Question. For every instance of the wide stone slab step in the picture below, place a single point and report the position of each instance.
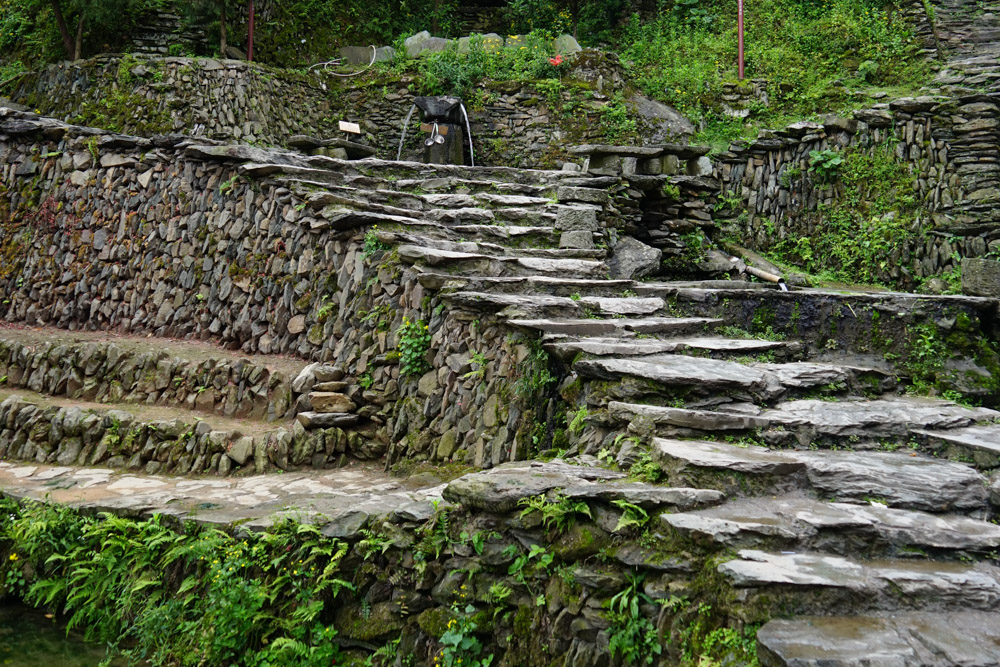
(624, 413)
(566, 348)
(620, 327)
(502, 488)
(896, 479)
(836, 584)
(980, 442)
(882, 417)
(696, 375)
(801, 523)
(485, 264)
(486, 247)
(901, 639)
(543, 285)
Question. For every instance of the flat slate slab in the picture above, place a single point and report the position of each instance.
(342, 501)
(501, 489)
(706, 420)
(707, 375)
(883, 584)
(634, 347)
(624, 327)
(985, 437)
(895, 478)
(910, 639)
(894, 416)
(807, 522)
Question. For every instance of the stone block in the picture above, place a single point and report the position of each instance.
(577, 218)
(981, 277)
(577, 239)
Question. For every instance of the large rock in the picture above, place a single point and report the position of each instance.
(423, 42)
(502, 488)
(660, 123)
(633, 259)
(565, 45)
(981, 277)
(331, 401)
(902, 640)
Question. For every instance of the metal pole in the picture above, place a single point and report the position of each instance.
(250, 36)
(739, 28)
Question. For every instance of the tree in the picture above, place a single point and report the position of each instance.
(102, 17)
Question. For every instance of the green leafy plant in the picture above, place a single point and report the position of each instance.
(413, 340)
(559, 513)
(633, 637)
(825, 164)
(372, 243)
(459, 645)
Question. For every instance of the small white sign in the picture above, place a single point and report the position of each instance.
(353, 128)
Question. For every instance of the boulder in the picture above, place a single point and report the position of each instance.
(981, 277)
(633, 259)
(566, 45)
(659, 122)
(423, 42)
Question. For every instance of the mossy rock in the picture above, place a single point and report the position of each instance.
(434, 621)
(383, 621)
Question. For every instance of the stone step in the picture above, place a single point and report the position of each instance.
(485, 248)
(540, 306)
(621, 327)
(536, 285)
(668, 374)
(501, 489)
(824, 583)
(568, 348)
(341, 502)
(907, 481)
(900, 638)
(400, 201)
(200, 376)
(980, 443)
(465, 262)
(880, 423)
(795, 523)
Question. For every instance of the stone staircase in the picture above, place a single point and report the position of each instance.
(159, 30)
(774, 426)
(847, 501)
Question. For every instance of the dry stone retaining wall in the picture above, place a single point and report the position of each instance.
(515, 124)
(949, 143)
(106, 232)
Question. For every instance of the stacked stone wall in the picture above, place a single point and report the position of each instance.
(512, 125)
(949, 144)
(113, 233)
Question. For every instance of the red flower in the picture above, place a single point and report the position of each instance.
(556, 62)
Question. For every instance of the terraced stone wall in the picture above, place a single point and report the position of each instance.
(949, 143)
(111, 233)
(235, 100)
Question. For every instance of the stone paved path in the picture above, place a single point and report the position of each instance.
(341, 501)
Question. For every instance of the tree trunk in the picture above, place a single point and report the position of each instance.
(63, 29)
(222, 30)
(78, 47)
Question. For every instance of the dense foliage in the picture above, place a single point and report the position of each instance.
(152, 594)
(816, 55)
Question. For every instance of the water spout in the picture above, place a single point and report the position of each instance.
(402, 137)
(783, 286)
(468, 131)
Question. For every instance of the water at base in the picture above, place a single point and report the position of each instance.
(28, 639)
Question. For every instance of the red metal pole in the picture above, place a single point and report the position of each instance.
(739, 27)
(250, 35)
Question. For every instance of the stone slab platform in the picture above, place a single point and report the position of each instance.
(342, 501)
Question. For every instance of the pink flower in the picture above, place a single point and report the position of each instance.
(556, 62)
